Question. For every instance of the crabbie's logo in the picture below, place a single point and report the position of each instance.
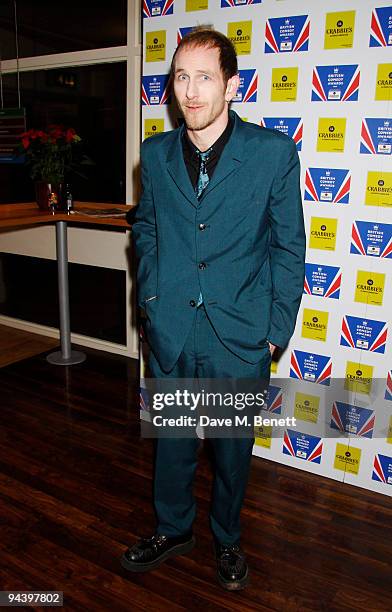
(153, 127)
(306, 407)
(376, 136)
(240, 34)
(327, 185)
(331, 134)
(287, 34)
(284, 84)
(315, 324)
(156, 46)
(359, 377)
(323, 233)
(381, 27)
(347, 458)
(196, 5)
(263, 436)
(335, 83)
(379, 189)
(384, 82)
(339, 30)
(157, 8)
(322, 281)
(369, 287)
(291, 126)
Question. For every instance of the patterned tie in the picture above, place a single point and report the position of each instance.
(202, 182)
(203, 178)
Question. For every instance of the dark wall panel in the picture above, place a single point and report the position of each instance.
(28, 291)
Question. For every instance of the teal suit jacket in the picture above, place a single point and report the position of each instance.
(242, 245)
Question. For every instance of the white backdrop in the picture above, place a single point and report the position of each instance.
(324, 76)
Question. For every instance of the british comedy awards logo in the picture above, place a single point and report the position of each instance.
(311, 367)
(155, 90)
(327, 185)
(287, 34)
(372, 239)
(352, 419)
(157, 8)
(381, 27)
(247, 91)
(335, 83)
(376, 136)
(322, 281)
(291, 126)
(364, 334)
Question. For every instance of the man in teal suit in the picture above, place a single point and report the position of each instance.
(220, 239)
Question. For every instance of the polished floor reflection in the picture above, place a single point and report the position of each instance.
(75, 490)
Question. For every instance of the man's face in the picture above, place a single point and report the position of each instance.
(199, 86)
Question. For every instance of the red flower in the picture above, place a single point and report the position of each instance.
(25, 142)
(70, 135)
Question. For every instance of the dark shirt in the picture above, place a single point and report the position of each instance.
(191, 158)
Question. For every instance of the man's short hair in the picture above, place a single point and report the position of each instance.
(204, 36)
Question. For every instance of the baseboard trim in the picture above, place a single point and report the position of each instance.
(51, 332)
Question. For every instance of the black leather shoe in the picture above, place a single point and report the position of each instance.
(148, 553)
(231, 566)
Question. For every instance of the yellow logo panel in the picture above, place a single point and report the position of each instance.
(339, 30)
(331, 134)
(306, 407)
(379, 189)
(274, 365)
(284, 84)
(369, 287)
(196, 5)
(240, 34)
(315, 324)
(384, 82)
(347, 458)
(323, 232)
(263, 436)
(153, 126)
(389, 435)
(156, 46)
(359, 377)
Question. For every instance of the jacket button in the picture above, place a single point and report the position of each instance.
(192, 303)
(202, 226)
(202, 265)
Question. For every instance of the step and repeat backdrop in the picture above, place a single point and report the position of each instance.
(322, 74)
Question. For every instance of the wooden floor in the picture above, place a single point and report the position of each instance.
(75, 491)
(17, 344)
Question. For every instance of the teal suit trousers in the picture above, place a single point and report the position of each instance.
(204, 356)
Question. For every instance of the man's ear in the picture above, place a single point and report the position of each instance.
(231, 88)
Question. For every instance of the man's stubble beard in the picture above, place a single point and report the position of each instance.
(199, 123)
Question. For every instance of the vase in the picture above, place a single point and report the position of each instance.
(49, 195)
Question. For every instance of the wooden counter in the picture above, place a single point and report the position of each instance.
(27, 214)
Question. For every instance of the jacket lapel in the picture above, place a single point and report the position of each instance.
(231, 159)
(177, 169)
